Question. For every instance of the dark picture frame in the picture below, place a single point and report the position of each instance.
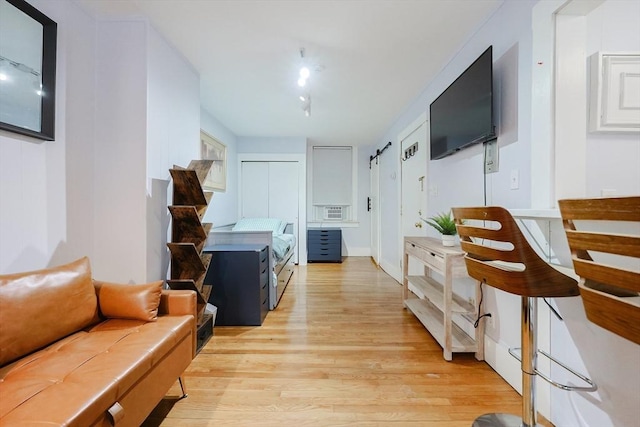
(44, 118)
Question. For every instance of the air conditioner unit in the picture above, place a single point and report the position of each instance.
(333, 212)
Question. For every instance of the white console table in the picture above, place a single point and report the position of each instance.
(436, 309)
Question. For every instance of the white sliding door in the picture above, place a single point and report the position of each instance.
(270, 190)
(255, 190)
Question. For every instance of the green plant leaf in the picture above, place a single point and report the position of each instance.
(443, 223)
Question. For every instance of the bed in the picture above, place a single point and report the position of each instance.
(277, 234)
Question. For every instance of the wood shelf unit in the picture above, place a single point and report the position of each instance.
(188, 237)
(438, 303)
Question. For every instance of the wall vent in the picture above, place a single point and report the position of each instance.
(333, 212)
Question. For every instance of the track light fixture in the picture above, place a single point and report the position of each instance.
(306, 104)
(303, 75)
(304, 71)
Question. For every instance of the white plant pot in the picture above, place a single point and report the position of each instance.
(448, 240)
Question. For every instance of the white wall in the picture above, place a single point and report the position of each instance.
(148, 110)
(223, 209)
(357, 240)
(173, 138)
(613, 159)
(46, 198)
(120, 152)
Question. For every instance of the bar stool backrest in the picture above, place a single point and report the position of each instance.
(498, 254)
(610, 293)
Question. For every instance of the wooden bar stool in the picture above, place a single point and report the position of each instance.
(611, 294)
(498, 254)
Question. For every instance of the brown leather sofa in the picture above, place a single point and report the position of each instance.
(77, 352)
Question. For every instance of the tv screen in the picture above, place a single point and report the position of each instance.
(463, 114)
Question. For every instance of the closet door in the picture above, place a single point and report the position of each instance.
(283, 190)
(255, 190)
(270, 190)
(283, 194)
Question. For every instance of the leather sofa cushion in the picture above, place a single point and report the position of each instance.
(80, 377)
(137, 302)
(40, 307)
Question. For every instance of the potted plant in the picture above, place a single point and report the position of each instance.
(446, 226)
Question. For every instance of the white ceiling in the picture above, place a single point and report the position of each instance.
(369, 58)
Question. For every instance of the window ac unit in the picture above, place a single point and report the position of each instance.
(333, 212)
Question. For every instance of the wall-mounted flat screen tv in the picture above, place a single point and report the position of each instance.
(463, 114)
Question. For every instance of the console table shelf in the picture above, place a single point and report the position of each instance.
(432, 319)
(434, 303)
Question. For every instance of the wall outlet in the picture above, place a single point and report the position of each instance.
(489, 320)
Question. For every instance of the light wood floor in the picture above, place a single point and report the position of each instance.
(340, 350)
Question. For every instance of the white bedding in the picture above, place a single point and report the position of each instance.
(281, 242)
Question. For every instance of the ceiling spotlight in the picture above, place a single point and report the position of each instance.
(304, 98)
(304, 70)
(307, 110)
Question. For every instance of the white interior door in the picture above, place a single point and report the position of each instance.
(414, 184)
(375, 212)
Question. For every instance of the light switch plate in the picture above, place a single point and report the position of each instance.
(515, 179)
(491, 156)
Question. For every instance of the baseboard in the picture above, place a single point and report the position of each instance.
(357, 252)
(392, 271)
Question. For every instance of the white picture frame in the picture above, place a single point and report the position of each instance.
(615, 92)
(212, 149)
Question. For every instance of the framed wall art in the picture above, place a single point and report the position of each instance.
(27, 70)
(615, 92)
(212, 149)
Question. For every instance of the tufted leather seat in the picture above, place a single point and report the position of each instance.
(117, 363)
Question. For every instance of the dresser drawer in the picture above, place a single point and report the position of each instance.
(433, 259)
(334, 252)
(333, 245)
(325, 232)
(319, 240)
(324, 256)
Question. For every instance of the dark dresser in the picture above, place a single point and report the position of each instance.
(324, 245)
(239, 275)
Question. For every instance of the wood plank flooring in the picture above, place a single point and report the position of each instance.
(340, 350)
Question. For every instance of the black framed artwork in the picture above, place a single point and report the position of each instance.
(27, 70)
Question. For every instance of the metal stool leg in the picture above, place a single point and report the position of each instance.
(529, 356)
(529, 353)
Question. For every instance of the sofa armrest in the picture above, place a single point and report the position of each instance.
(176, 302)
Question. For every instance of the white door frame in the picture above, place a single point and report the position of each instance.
(419, 121)
(376, 228)
(302, 191)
